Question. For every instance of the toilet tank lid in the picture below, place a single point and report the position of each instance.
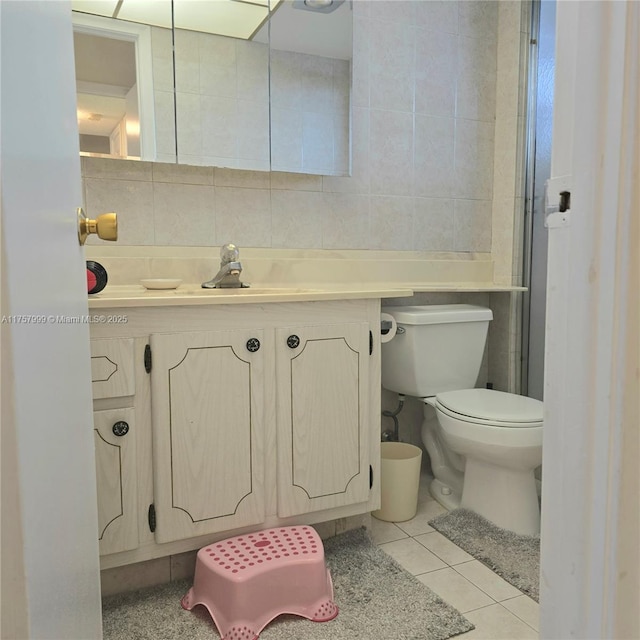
(439, 313)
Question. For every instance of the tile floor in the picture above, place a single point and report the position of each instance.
(498, 610)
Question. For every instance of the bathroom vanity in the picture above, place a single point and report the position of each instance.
(218, 412)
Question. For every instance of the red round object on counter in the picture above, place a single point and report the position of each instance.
(91, 280)
(96, 277)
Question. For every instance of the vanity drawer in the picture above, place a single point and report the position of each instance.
(112, 368)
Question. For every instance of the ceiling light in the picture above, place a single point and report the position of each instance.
(317, 6)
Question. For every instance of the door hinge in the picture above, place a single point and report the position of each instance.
(370, 477)
(147, 358)
(370, 342)
(151, 517)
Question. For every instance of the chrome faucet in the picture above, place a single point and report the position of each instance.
(230, 268)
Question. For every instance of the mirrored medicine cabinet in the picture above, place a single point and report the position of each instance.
(261, 85)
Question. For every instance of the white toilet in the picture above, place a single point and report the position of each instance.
(484, 445)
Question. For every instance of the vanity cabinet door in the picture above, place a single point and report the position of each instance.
(115, 448)
(208, 448)
(112, 371)
(322, 417)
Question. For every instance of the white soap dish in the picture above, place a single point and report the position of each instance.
(161, 283)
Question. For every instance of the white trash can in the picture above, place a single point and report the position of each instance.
(399, 481)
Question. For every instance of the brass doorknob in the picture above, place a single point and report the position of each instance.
(105, 226)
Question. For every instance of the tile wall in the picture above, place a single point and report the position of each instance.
(424, 101)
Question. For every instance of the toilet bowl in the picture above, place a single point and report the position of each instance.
(500, 437)
(484, 445)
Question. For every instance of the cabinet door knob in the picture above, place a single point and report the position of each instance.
(120, 428)
(293, 341)
(253, 344)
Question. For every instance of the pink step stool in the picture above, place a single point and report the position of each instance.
(247, 581)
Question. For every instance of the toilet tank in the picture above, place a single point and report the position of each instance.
(438, 348)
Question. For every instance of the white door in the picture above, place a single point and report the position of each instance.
(50, 567)
(590, 509)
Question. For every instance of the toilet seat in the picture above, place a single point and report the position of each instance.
(491, 408)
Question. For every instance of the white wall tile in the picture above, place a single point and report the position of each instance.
(187, 61)
(182, 174)
(433, 220)
(132, 201)
(253, 130)
(219, 120)
(361, 64)
(316, 84)
(252, 59)
(345, 224)
(184, 214)
(286, 139)
(472, 225)
(117, 170)
(476, 79)
(392, 88)
(217, 66)
(165, 116)
(394, 11)
(436, 65)
(391, 223)
(392, 43)
(296, 218)
(391, 152)
(244, 179)
(295, 181)
(243, 216)
(317, 142)
(438, 15)
(478, 19)
(473, 159)
(433, 157)
(188, 125)
(162, 59)
(286, 80)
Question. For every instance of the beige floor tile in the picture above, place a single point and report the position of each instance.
(492, 584)
(445, 549)
(526, 609)
(496, 623)
(456, 590)
(382, 531)
(420, 524)
(413, 556)
(430, 507)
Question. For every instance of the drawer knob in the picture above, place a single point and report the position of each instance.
(120, 428)
(293, 341)
(253, 344)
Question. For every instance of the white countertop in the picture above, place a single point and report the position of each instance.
(116, 296)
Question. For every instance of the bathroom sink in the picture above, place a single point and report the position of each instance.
(250, 291)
